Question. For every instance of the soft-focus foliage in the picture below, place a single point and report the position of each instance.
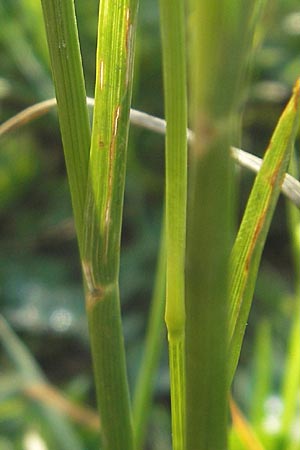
(41, 286)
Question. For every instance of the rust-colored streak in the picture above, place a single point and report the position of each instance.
(296, 94)
(116, 120)
(101, 74)
(256, 234)
(101, 143)
(112, 149)
(274, 176)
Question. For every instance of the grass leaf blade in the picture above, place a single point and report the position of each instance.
(248, 246)
(66, 64)
(104, 205)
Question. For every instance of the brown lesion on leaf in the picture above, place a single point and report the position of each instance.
(274, 176)
(112, 149)
(296, 94)
(206, 133)
(254, 239)
(101, 74)
(116, 120)
(94, 291)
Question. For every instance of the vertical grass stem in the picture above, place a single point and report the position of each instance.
(103, 217)
(174, 71)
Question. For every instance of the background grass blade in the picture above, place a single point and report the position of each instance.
(263, 376)
(291, 380)
(216, 77)
(153, 348)
(172, 19)
(18, 41)
(244, 429)
(103, 217)
(63, 43)
(62, 433)
(255, 224)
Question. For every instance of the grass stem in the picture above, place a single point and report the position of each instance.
(103, 217)
(174, 70)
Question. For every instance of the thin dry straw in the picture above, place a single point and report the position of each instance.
(290, 187)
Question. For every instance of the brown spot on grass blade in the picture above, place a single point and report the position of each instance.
(101, 74)
(206, 133)
(115, 120)
(247, 250)
(274, 176)
(296, 94)
(257, 231)
(95, 292)
(112, 149)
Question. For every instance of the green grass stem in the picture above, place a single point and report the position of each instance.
(97, 188)
(219, 45)
(174, 71)
(103, 217)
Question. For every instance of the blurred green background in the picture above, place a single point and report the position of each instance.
(40, 277)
